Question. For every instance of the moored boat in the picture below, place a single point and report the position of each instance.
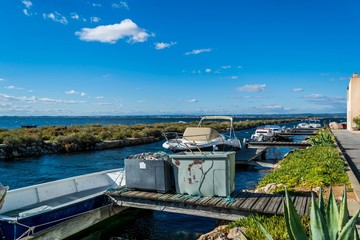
(203, 138)
(30, 210)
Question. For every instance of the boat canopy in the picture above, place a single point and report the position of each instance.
(216, 117)
(200, 134)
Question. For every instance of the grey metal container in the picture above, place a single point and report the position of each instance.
(152, 175)
(204, 173)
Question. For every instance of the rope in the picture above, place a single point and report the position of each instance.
(204, 174)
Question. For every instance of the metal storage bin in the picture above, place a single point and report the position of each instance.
(204, 173)
(152, 175)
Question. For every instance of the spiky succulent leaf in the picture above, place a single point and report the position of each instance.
(356, 234)
(295, 226)
(319, 229)
(332, 216)
(287, 222)
(344, 213)
(263, 229)
(347, 231)
(321, 202)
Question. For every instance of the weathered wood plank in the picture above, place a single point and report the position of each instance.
(240, 198)
(261, 203)
(130, 193)
(249, 202)
(214, 201)
(273, 205)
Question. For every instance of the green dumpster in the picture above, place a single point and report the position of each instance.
(204, 173)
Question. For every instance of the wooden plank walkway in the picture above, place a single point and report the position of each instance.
(240, 204)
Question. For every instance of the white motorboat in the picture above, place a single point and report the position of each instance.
(34, 209)
(262, 134)
(203, 138)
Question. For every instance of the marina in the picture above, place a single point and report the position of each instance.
(229, 206)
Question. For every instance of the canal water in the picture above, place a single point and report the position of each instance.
(132, 224)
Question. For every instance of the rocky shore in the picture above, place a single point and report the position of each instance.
(8, 152)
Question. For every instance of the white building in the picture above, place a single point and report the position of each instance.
(353, 100)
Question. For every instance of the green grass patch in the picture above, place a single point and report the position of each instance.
(274, 224)
(318, 166)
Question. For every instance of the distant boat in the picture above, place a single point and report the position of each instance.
(36, 208)
(203, 138)
(266, 133)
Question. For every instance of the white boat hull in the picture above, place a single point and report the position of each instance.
(35, 208)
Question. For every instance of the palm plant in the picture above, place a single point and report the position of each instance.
(326, 223)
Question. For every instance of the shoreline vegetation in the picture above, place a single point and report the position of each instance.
(301, 172)
(36, 141)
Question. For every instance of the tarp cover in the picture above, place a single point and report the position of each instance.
(200, 134)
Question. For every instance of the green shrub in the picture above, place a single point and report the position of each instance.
(356, 120)
(318, 166)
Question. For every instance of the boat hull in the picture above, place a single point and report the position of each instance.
(14, 228)
(218, 147)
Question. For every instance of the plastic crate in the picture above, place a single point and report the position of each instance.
(152, 175)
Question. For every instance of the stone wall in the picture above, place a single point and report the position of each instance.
(37, 149)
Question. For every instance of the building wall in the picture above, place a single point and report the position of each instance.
(353, 100)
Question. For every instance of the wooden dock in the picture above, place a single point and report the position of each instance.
(241, 204)
(277, 144)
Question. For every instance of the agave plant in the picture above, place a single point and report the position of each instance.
(326, 223)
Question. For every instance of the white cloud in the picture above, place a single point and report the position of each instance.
(26, 12)
(225, 67)
(252, 88)
(193, 101)
(34, 99)
(103, 104)
(96, 4)
(198, 51)
(320, 99)
(239, 67)
(207, 70)
(72, 92)
(274, 107)
(56, 17)
(121, 4)
(99, 97)
(13, 88)
(27, 3)
(234, 77)
(162, 45)
(112, 33)
(1, 79)
(95, 19)
(297, 90)
(343, 78)
(74, 16)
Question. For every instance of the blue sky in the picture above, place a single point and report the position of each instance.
(138, 57)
